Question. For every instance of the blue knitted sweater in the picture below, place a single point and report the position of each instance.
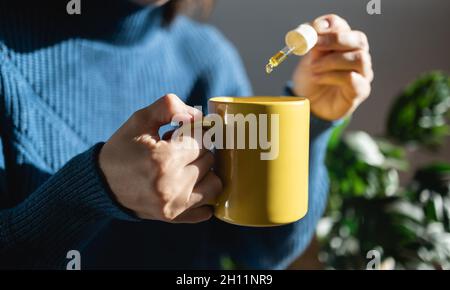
(66, 84)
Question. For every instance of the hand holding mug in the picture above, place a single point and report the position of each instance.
(158, 179)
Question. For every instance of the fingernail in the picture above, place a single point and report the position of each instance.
(322, 25)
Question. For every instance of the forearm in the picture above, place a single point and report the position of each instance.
(53, 219)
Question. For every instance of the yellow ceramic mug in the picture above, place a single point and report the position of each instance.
(263, 187)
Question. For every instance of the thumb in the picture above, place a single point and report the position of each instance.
(165, 110)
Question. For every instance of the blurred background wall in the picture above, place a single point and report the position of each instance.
(407, 39)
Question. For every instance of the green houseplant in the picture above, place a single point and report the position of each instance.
(409, 226)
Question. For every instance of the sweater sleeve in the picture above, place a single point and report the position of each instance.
(52, 220)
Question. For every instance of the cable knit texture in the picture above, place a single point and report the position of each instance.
(66, 84)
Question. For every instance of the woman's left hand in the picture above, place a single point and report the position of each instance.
(336, 74)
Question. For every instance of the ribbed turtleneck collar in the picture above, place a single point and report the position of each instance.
(25, 23)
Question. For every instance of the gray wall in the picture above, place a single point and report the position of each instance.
(410, 37)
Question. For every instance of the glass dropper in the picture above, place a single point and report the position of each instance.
(298, 41)
(278, 58)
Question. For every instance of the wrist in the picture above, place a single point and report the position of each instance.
(103, 171)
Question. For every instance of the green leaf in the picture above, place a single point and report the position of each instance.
(420, 113)
(336, 135)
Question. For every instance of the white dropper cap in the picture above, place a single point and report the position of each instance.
(301, 39)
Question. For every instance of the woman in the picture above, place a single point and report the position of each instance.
(69, 82)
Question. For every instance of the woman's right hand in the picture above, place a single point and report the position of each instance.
(166, 180)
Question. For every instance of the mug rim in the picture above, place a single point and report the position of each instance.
(260, 100)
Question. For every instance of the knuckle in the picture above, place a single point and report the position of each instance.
(333, 17)
(154, 158)
(359, 58)
(363, 40)
(348, 77)
(161, 164)
(195, 199)
(138, 117)
(355, 77)
(365, 58)
(164, 168)
(163, 192)
(369, 59)
(365, 62)
(352, 78)
(147, 144)
(170, 102)
(337, 21)
(371, 75)
(368, 89)
(167, 214)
